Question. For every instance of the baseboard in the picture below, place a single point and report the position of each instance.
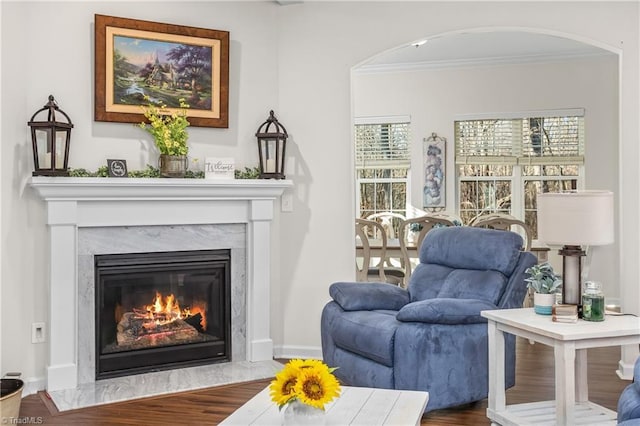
(33, 384)
(290, 352)
(625, 370)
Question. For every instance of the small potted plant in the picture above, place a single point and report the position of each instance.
(545, 284)
(169, 131)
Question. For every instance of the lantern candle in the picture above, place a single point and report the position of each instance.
(50, 141)
(272, 139)
(46, 162)
(271, 165)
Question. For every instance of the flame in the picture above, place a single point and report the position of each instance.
(164, 310)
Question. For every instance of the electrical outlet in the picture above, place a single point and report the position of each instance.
(38, 333)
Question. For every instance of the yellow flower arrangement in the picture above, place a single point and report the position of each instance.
(169, 129)
(309, 381)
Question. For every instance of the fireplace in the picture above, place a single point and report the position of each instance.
(87, 217)
(161, 310)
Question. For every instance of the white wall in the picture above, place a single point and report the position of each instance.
(433, 98)
(296, 59)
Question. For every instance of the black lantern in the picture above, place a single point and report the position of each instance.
(272, 141)
(50, 141)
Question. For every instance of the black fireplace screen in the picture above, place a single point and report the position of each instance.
(161, 310)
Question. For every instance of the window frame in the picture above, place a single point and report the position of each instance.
(382, 121)
(518, 161)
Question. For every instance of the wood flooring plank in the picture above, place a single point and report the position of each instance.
(534, 382)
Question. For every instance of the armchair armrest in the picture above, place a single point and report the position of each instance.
(352, 296)
(445, 311)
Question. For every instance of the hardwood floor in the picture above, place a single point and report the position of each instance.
(534, 381)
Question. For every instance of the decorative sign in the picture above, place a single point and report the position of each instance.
(117, 168)
(219, 168)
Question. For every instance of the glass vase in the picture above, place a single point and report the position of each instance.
(300, 414)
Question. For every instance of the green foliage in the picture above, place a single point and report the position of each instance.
(169, 130)
(103, 171)
(79, 173)
(149, 172)
(248, 173)
(153, 172)
(542, 278)
(190, 174)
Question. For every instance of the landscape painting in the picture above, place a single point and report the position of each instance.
(140, 62)
(161, 71)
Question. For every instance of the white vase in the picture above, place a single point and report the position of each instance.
(299, 414)
(542, 303)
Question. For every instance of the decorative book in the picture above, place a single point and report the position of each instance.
(564, 313)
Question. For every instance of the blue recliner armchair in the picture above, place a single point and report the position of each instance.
(629, 402)
(430, 337)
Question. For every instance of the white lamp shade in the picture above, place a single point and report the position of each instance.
(579, 218)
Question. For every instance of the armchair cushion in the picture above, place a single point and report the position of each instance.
(467, 284)
(368, 296)
(463, 250)
(445, 311)
(370, 334)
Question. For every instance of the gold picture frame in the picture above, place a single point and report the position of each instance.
(138, 62)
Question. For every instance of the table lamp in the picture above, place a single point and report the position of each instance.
(574, 219)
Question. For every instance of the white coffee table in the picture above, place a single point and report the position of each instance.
(356, 406)
(570, 343)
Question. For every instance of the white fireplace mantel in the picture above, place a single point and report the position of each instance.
(73, 203)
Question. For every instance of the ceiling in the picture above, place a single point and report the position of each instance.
(476, 48)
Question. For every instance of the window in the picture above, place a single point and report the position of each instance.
(502, 164)
(382, 164)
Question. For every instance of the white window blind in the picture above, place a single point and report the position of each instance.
(535, 140)
(382, 145)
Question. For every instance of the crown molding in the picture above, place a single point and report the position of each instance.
(476, 62)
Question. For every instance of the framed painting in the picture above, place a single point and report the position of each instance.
(141, 62)
(434, 166)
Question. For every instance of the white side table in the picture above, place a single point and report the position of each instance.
(570, 343)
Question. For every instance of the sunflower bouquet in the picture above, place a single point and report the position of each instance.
(310, 382)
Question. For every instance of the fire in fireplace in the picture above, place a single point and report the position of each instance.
(162, 310)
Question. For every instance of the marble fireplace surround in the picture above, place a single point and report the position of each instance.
(87, 216)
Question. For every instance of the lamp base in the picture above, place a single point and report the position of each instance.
(571, 276)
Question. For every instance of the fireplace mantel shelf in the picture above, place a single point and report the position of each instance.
(71, 188)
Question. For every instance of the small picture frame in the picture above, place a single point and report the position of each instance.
(117, 168)
(219, 168)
